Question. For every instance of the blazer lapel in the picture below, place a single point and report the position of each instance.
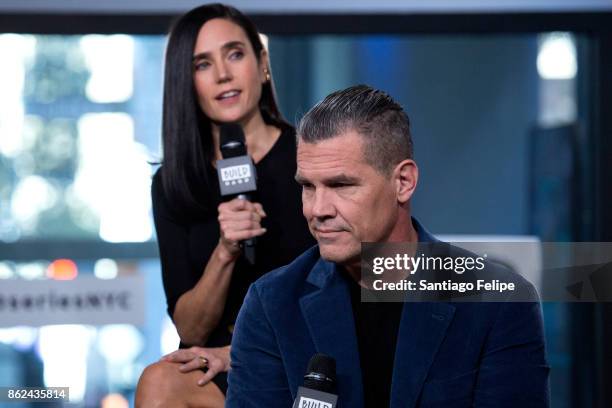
(329, 317)
(422, 329)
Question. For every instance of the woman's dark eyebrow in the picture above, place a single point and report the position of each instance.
(227, 46)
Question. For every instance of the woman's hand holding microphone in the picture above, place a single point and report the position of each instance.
(238, 220)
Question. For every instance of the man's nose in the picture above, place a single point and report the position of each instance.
(323, 205)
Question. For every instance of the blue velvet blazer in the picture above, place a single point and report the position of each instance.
(447, 355)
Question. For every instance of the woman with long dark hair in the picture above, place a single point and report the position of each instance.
(216, 71)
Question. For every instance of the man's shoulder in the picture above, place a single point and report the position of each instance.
(284, 281)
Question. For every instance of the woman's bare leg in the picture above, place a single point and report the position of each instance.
(163, 385)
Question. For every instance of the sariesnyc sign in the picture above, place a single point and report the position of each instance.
(85, 300)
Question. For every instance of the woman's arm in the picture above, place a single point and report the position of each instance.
(198, 310)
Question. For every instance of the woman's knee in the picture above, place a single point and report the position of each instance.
(159, 385)
(163, 385)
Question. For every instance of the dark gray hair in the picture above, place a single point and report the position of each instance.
(373, 114)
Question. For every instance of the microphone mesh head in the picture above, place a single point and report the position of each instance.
(231, 140)
(322, 363)
(321, 373)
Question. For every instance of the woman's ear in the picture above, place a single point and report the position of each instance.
(264, 66)
(405, 176)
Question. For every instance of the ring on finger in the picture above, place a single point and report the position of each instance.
(203, 361)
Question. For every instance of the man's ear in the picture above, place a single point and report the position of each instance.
(405, 176)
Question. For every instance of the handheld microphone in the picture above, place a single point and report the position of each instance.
(319, 386)
(236, 172)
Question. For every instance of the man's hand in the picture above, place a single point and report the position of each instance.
(210, 361)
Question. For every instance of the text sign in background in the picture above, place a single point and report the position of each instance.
(85, 300)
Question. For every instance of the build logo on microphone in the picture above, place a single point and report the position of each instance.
(312, 403)
(236, 174)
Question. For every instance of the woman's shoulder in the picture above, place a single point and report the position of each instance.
(167, 206)
(288, 133)
(286, 140)
(288, 130)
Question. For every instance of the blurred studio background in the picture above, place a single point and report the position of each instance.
(511, 108)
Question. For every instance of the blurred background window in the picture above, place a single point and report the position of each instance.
(80, 120)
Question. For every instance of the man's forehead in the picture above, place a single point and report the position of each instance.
(334, 158)
(312, 157)
(347, 144)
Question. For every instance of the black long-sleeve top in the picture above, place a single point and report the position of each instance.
(186, 241)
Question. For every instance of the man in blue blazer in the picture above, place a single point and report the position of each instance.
(355, 164)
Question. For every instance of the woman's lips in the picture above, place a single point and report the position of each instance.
(228, 97)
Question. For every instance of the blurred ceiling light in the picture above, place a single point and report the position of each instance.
(6, 271)
(31, 270)
(32, 195)
(62, 269)
(106, 269)
(15, 50)
(110, 59)
(119, 193)
(557, 56)
(114, 401)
